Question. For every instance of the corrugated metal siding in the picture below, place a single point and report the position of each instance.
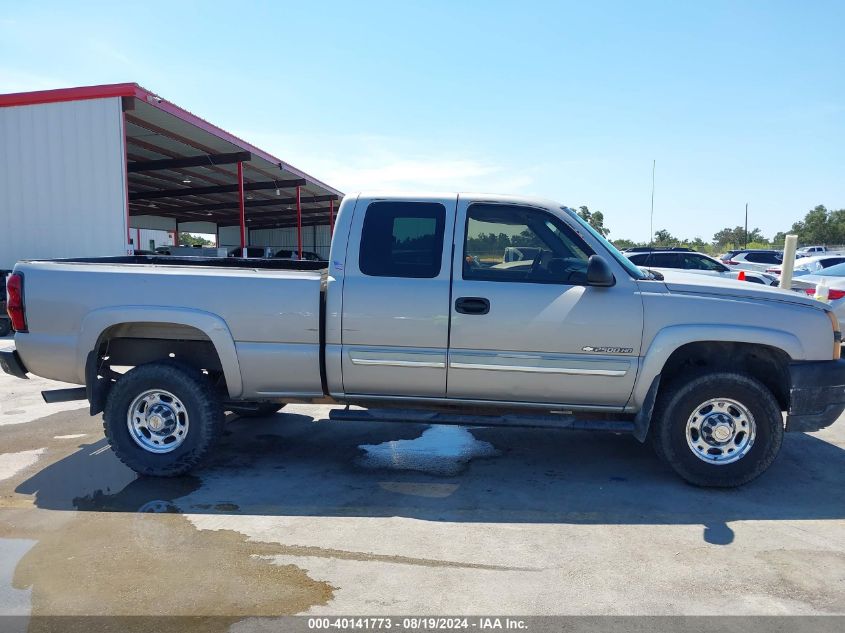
(62, 180)
(314, 238)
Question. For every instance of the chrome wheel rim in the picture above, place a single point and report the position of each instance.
(157, 421)
(720, 431)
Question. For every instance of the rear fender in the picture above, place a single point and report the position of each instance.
(215, 328)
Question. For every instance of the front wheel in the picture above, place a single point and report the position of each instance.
(162, 419)
(719, 429)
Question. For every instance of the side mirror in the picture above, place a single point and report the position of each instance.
(598, 272)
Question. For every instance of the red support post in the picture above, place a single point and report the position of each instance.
(242, 207)
(331, 218)
(299, 220)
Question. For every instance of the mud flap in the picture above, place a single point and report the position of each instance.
(642, 421)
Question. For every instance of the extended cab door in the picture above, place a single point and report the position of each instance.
(395, 322)
(526, 327)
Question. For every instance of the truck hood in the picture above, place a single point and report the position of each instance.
(679, 281)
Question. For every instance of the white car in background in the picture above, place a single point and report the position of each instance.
(834, 279)
(810, 251)
(759, 260)
(692, 262)
(810, 265)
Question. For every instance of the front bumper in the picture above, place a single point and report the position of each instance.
(816, 394)
(11, 363)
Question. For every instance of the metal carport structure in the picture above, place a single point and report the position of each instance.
(179, 172)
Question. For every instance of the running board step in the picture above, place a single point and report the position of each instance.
(64, 395)
(551, 421)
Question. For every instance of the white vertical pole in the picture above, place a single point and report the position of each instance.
(789, 248)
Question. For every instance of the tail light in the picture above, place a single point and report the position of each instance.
(773, 271)
(731, 262)
(14, 301)
(832, 294)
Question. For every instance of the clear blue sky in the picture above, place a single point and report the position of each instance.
(737, 101)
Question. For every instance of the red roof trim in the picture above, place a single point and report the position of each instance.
(68, 94)
(134, 90)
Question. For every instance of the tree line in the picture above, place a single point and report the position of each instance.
(819, 226)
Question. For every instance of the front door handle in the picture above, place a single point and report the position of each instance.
(472, 305)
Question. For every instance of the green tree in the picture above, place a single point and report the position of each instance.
(662, 237)
(595, 219)
(737, 237)
(186, 239)
(623, 243)
(697, 244)
(820, 226)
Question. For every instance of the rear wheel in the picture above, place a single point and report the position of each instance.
(162, 419)
(719, 429)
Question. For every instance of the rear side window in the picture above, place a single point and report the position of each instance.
(827, 263)
(661, 260)
(402, 239)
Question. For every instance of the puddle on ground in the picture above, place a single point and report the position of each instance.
(440, 450)
(133, 553)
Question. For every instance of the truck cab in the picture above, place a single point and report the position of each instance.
(431, 289)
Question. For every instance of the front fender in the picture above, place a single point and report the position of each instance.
(215, 328)
(673, 337)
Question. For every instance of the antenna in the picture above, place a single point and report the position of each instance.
(651, 218)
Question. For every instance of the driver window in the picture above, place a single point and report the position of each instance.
(506, 243)
(696, 262)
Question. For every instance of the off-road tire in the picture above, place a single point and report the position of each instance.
(264, 409)
(202, 403)
(679, 399)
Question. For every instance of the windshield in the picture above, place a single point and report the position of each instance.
(834, 271)
(626, 263)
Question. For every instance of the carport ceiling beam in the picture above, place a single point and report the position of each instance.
(202, 191)
(251, 204)
(191, 161)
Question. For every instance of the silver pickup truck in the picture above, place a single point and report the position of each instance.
(421, 316)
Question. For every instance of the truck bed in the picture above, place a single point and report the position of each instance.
(265, 312)
(217, 262)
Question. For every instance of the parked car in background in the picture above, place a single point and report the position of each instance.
(809, 251)
(252, 252)
(307, 256)
(5, 322)
(690, 261)
(834, 278)
(809, 265)
(756, 259)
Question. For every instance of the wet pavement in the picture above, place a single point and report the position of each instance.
(296, 514)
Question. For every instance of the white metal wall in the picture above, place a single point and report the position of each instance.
(141, 238)
(62, 180)
(314, 238)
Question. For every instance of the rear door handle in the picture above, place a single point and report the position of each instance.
(472, 305)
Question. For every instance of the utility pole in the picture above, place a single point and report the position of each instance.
(651, 218)
(746, 226)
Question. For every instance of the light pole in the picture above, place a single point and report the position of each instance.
(746, 225)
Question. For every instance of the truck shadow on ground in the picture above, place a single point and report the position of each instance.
(293, 465)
